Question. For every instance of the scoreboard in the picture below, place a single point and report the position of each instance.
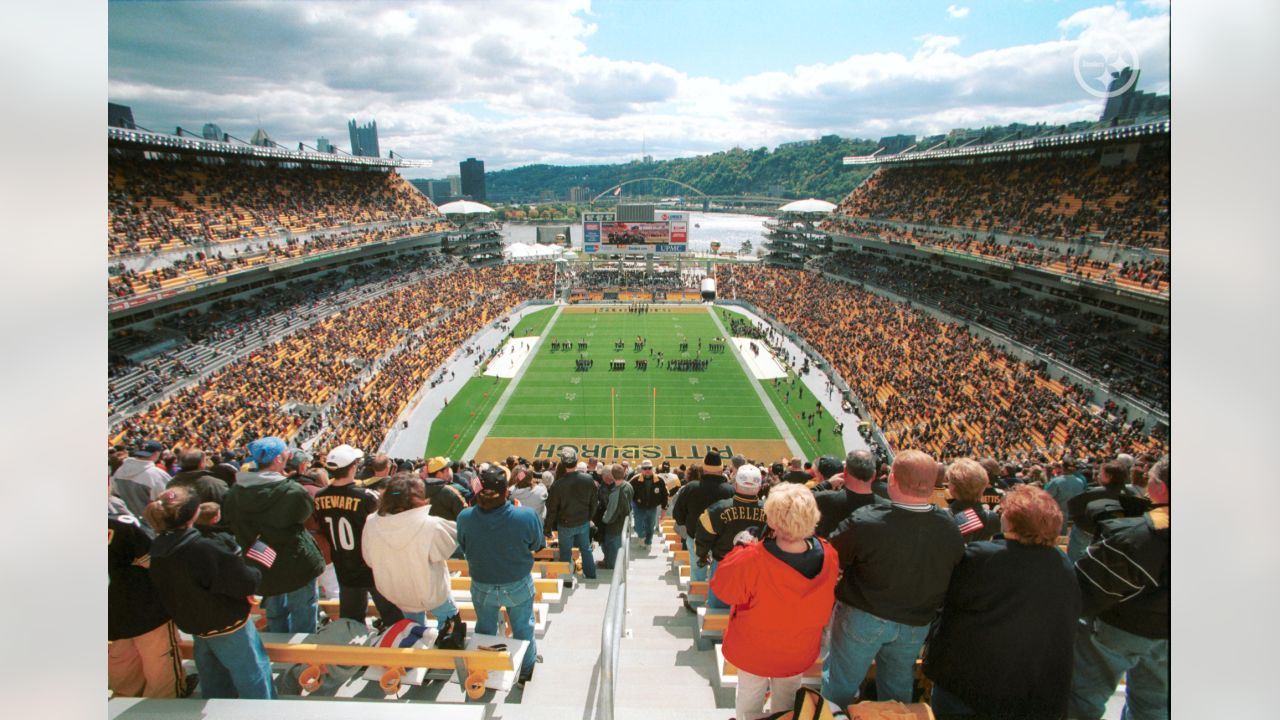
(668, 232)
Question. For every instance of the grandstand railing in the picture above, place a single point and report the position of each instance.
(162, 141)
(615, 622)
(1050, 142)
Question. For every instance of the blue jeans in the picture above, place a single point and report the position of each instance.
(611, 545)
(646, 522)
(517, 598)
(293, 612)
(441, 612)
(1102, 654)
(696, 574)
(857, 638)
(712, 600)
(579, 536)
(234, 665)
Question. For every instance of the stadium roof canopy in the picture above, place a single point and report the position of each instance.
(465, 207)
(812, 205)
(160, 142)
(1048, 142)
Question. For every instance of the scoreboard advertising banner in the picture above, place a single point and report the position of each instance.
(603, 233)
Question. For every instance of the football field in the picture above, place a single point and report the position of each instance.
(659, 413)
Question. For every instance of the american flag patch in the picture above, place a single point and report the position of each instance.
(969, 521)
(261, 553)
(403, 634)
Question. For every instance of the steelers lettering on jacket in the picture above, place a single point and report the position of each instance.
(750, 513)
(337, 502)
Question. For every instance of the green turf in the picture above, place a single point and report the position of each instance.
(553, 400)
(533, 323)
(456, 425)
(805, 436)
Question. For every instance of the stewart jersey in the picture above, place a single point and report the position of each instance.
(341, 511)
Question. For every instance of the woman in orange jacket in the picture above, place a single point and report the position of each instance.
(781, 590)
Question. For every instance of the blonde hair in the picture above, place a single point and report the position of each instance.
(968, 479)
(791, 511)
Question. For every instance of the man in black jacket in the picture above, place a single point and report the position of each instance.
(1124, 585)
(836, 505)
(897, 560)
(571, 504)
(650, 494)
(720, 525)
(1113, 481)
(691, 503)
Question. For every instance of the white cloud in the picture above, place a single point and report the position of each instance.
(514, 82)
(956, 11)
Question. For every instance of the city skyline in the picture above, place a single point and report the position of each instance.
(571, 82)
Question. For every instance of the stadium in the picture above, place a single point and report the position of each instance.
(311, 321)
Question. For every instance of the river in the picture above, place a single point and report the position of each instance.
(729, 228)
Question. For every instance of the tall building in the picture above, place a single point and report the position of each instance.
(364, 138)
(211, 132)
(323, 145)
(441, 192)
(1132, 104)
(455, 185)
(472, 178)
(120, 116)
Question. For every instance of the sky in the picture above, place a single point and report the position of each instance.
(572, 82)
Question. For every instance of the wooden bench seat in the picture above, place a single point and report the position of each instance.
(466, 610)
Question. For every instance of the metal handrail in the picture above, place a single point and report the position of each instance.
(615, 620)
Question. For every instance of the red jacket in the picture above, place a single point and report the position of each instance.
(777, 617)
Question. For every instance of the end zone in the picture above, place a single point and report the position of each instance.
(682, 451)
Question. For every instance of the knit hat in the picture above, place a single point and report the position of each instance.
(829, 466)
(712, 459)
(747, 480)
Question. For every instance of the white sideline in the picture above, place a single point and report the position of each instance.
(511, 357)
(763, 366)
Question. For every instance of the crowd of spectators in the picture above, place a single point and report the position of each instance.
(1064, 197)
(1117, 353)
(194, 266)
(229, 326)
(165, 204)
(1146, 274)
(933, 385)
(248, 398)
(601, 279)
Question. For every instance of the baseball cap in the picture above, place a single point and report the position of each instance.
(491, 478)
(747, 479)
(342, 456)
(148, 447)
(265, 450)
(646, 465)
(436, 464)
(829, 466)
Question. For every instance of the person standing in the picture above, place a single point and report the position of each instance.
(707, 485)
(1124, 585)
(1002, 592)
(341, 510)
(852, 491)
(1064, 487)
(781, 590)
(142, 658)
(205, 585)
(138, 481)
(408, 550)
(967, 480)
(650, 493)
(897, 560)
(1113, 481)
(571, 504)
(265, 506)
(498, 540)
(616, 496)
(722, 524)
